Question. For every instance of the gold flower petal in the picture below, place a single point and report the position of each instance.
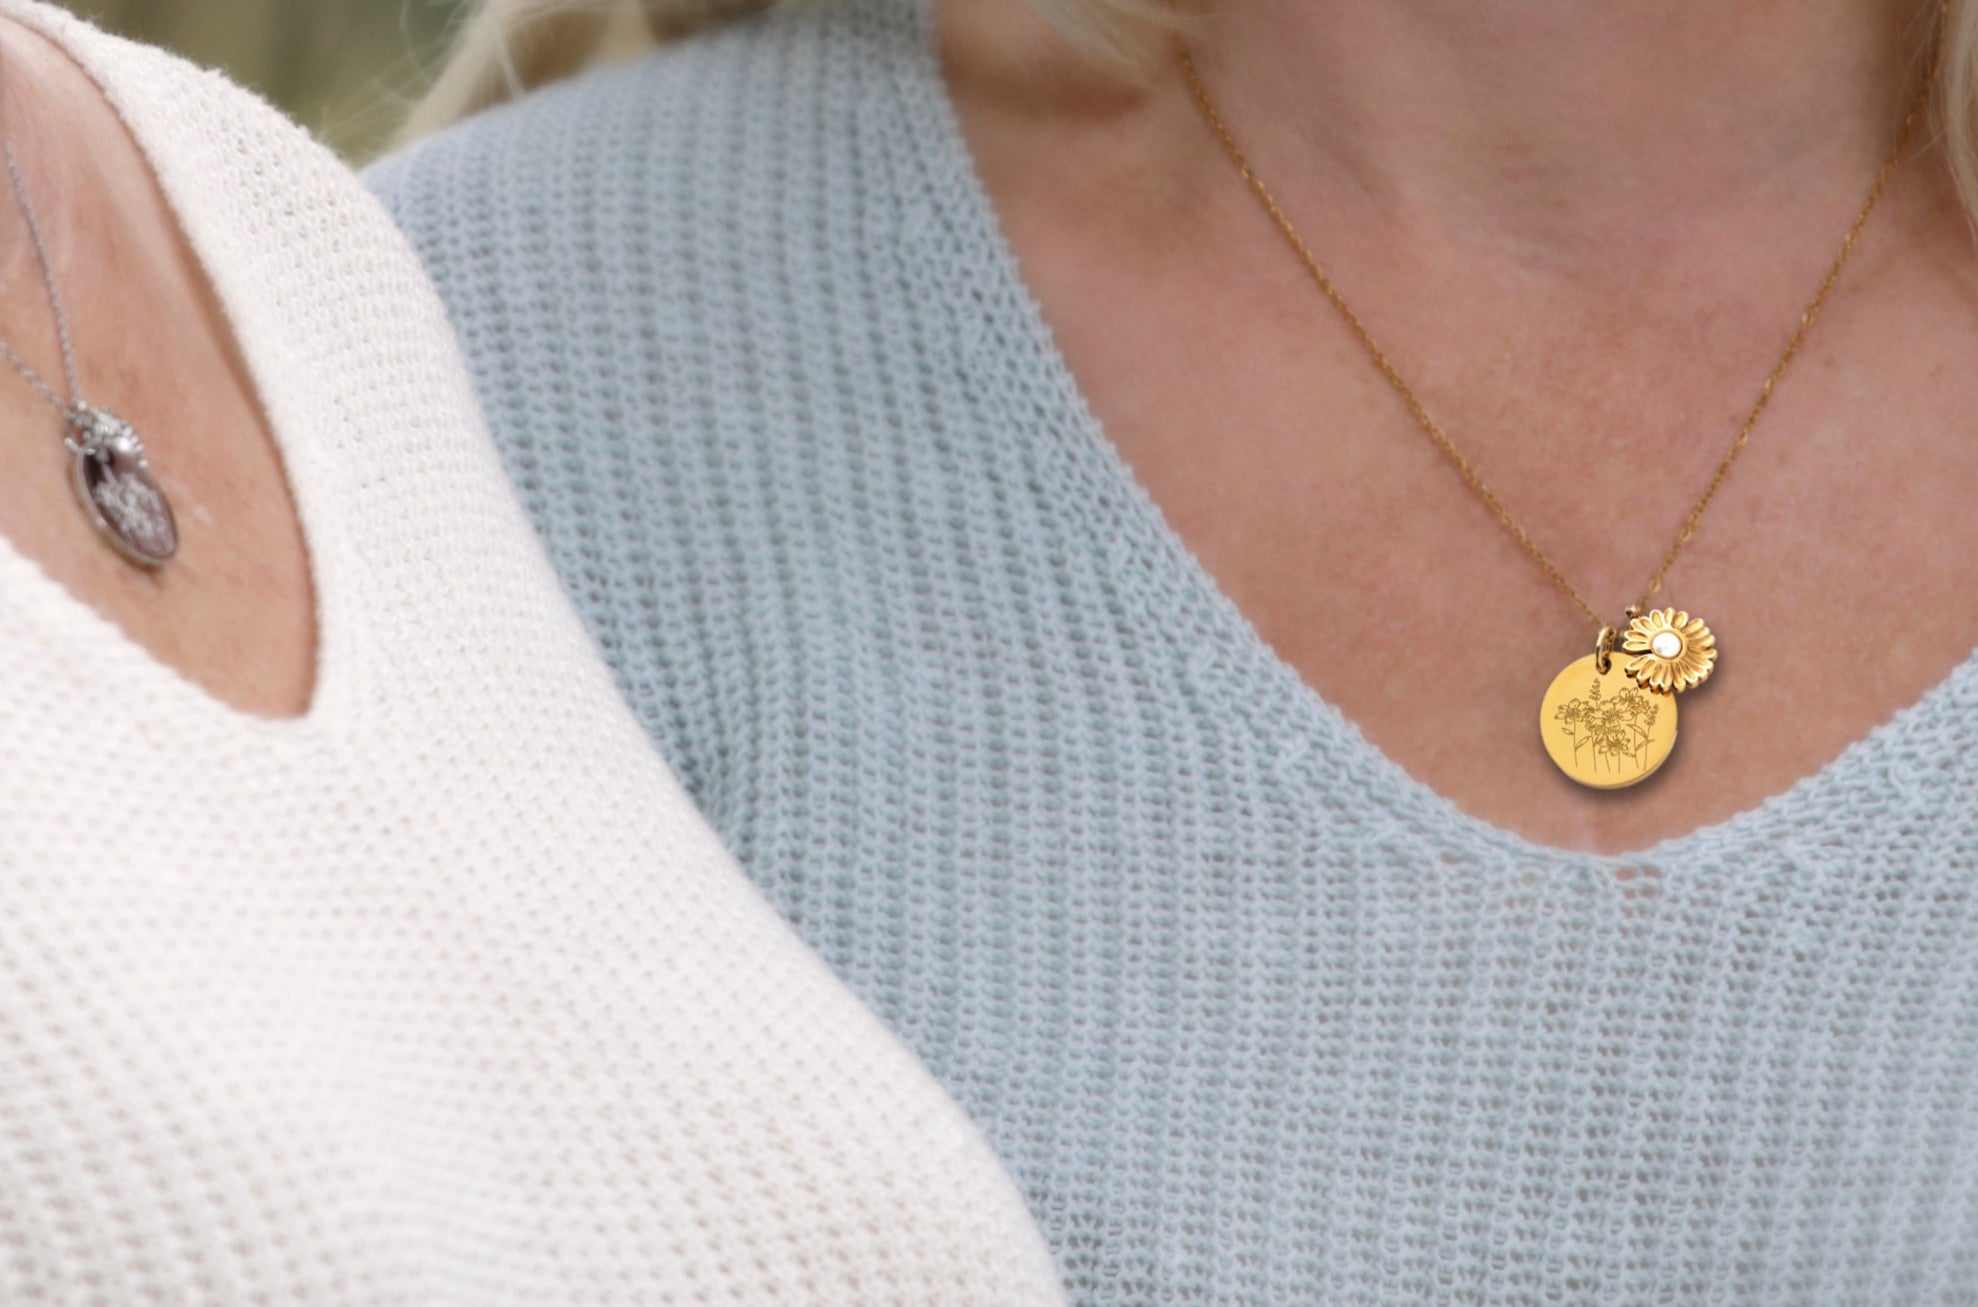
(1688, 667)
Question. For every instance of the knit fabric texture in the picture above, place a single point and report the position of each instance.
(442, 993)
(1252, 1016)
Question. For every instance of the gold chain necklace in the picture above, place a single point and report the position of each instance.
(1606, 722)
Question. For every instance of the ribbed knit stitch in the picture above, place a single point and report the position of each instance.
(442, 994)
(1253, 1016)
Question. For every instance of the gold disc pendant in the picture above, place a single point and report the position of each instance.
(1609, 720)
(1603, 729)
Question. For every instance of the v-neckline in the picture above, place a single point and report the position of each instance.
(96, 643)
(1183, 604)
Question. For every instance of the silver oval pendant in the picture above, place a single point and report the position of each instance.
(114, 482)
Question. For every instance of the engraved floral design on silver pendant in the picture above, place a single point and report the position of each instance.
(113, 479)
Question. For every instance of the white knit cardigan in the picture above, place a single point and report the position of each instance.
(443, 992)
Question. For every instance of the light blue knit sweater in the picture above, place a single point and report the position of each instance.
(1253, 1017)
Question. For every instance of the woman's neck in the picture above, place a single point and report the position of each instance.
(1561, 127)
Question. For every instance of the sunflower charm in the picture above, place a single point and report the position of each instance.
(1673, 651)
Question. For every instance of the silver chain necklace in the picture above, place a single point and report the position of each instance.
(111, 474)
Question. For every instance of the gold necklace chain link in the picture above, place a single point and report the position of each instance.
(1213, 118)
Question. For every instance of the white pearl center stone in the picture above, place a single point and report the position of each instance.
(1667, 644)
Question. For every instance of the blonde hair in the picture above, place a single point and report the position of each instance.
(507, 47)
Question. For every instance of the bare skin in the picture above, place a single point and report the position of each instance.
(1584, 233)
(234, 612)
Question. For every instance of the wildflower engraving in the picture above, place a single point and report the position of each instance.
(1612, 733)
(113, 477)
(137, 511)
(1602, 728)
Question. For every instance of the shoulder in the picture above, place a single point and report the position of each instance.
(661, 224)
(284, 333)
(314, 275)
(721, 129)
(315, 278)
(676, 281)
(280, 224)
(208, 138)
